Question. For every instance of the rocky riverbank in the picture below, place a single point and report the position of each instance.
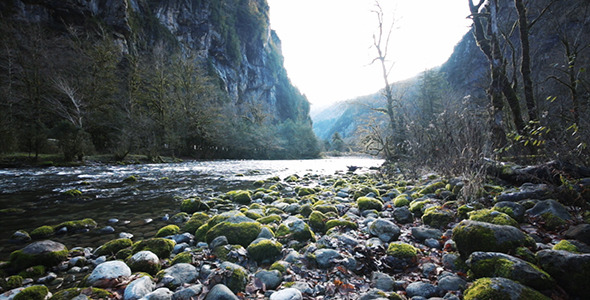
(347, 236)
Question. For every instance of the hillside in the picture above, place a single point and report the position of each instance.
(198, 78)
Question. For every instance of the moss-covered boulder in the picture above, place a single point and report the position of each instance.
(494, 264)
(236, 276)
(168, 230)
(317, 221)
(402, 200)
(36, 292)
(325, 208)
(363, 191)
(113, 246)
(193, 205)
(304, 191)
(240, 196)
(238, 233)
(418, 206)
(159, 246)
(77, 225)
(42, 232)
(295, 229)
(368, 203)
(34, 271)
(401, 256)
(183, 257)
(570, 270)
(471, 236)
(567, 246)
(14, 281)
(269, 219)
(90, 293)
(492, 216)
(498, 288)
(47, 253)
(144, 261)
(196, 220)
(438, 217)
(342, 223)
(265, 250)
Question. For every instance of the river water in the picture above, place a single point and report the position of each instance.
(138, 206)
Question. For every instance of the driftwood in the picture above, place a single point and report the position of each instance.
(552, 172)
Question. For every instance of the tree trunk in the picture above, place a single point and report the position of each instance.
(525, 67)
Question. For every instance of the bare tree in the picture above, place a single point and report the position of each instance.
(72, 108)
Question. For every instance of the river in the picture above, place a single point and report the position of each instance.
(139, 207)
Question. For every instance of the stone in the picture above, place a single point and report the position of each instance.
(550, 206)
(159, 294)
(570, 270)
(103, 275)
(296, 229)
(422, 233)
(47, 253)
(526, 191)
(265, 233)
(221, 292)
(493, 264)
(382, 281)
(432, 243)
(179, 274)
(138, 288)
(451, 282)
(188, 293)
(144, 261)
(236, 231)
(238, 276)
(492, 216)
(271, 279)
(113, 246)
(450, 260)
(437, 216)
(579, 232)
(385, 230)
(513, 209)
(159, 246)
(264, 250)
(324, 257)
(287, 294)
(471, 236)
(501, 288)
(403, 215)
(20, 236)
(422, 289)
(218, 241)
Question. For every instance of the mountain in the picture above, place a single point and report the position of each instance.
(205, 77)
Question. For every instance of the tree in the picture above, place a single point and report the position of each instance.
(337, 142)
(433, 87)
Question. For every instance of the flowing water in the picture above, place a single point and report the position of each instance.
(138, 206)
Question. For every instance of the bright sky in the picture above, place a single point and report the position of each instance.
(327, 43)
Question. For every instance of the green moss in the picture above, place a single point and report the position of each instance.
(438, 217)
(401, 200)
(34, 271)
(192, 205)
(77, 225)
(92, 293)
(184, 257)
(366, 203)
(431, 188)
(492, 216)
(269, 219)
(124, 253)
(168, 230)
(551, 221)
(42, 232)
(36, 292)
(402, 250)
(14, 281)
(72, 193)
(222, 252)
(493, 267)
(159, 246)
(326, 209)
(342, 223)
(237, 280)
(201, 233)
(473, 238)
(304, 191)
(567, 246)
(273, 211)
(240, 234)
(280, 266)
(252, 215)
(305, 234)
(12, 211)
(113, 246)
(463, 210)
(317, 221)
(20, 261)
(131, 178)
(240, 196)
(489, 289)
(264, 250)
(365, 190)
(196, 220)
(340, 183)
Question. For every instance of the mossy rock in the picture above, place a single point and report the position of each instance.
(306, 210)
(431, 188)
(183, 257)
(72, 193)
(113, 246)
(91, 293)
(570, 270)
(131, 179)
(402, 250)
(295, 229)
(499, 288)
(222, 252)
(463, 210)
(269, 219)
(341, 223)
(280, 266)
(492, 216)
(36, 292)
(551, 221)
(144, 261)
(193, 205)
(471, 236)
(567, 246)
(12, 211)
(417, 207)
(159, 246)
(237, 277)
(180, 218)
(46, 253)
(437, 217)
(240, 196)
(367, 203)
(14, 281)
(326, 209)
(304, 191)
(33, 272)
(196, 220)
(317, 221)
(168, 230)
(401, 200)
(363, 191)
(264, 250)
(252, 215)
(42, 232)
(201, 233)
(236, 233)
(273, 211)
(123, 254)
(77, 225)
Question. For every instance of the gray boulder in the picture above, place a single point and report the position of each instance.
(324, 257)
(287, 294)
(422, 233)
(179, 274)
(385, 230)
(580, 232)
(451, 282)
(382, 281)
(422, 289)
(189, 293)
(403, 215)
(271, 279)
(103, 275)
(550, 206)
(221, 292)
(571, 271)
(138, 288)
(501, 288)
(159, 294)
(526, 191)
(471, 236)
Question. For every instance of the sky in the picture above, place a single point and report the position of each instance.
(327, 44)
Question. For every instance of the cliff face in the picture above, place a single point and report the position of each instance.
(234, 37)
